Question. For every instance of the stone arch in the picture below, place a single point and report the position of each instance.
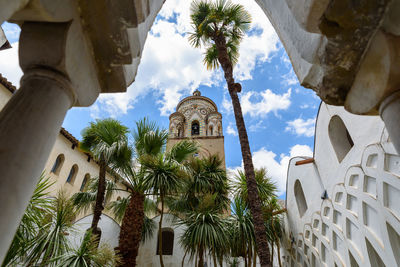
(58, 164)
(340, 138)
(72, 174)
(195, 128)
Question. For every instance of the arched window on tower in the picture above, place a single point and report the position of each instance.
(210, 130)
(167, 241)
(72, 174)
(84, 182)
(58, 164)
(339, 137)
(195, 128)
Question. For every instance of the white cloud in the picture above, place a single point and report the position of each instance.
(171, 68)
(262, 103)
(289, 78)
(231, 130)
(301, 127)
(258, 126)
(9, 66)
(276, 167)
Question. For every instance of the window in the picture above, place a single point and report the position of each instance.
(195, 128)
(58, 164)
(72, 174)
(300, 198)
(167, 241)
(84, 182)
(340, 137)
(211, 130)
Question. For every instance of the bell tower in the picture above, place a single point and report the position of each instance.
(197, 118)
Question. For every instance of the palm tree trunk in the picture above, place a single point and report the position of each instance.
(255, 259)
(253, 197)
(201, 258)
(277, 241)
(215, 259)
(184, 256)
(160, 231)
(98, 208)
(249, 255)
(272, 252)
(131, 230)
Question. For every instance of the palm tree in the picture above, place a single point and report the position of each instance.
(39, 206)
(220, 27)
(149, 141)
(163, 175)
(205, 231)
(51, 241)
(204, 193)
(241, 231)
(107, 141)
(89, 253)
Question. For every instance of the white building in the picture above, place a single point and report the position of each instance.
(343, 204)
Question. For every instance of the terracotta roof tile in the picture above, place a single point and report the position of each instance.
(7, 84)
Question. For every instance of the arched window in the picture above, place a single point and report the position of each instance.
(72, 174)
(167, 241)
(195, 128)
(84, 182)
(210, 131)
(340, 137)
(58, 164)
(300, 198)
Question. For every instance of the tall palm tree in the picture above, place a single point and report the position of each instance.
(107, 141)
(219, 27)
(205, 230)
(149, 141)
(164, 174)
(241, 231)
(204, 192)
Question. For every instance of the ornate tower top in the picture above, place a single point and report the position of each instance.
(197, 93)
(196, 116)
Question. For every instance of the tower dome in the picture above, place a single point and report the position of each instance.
(195, 116)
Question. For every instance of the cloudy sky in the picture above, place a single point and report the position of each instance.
(279, 113)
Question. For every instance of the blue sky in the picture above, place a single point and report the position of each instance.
(279, 113)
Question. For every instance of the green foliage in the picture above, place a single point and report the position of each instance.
(89, 253)
(39, 206)
(51, 240)
(87, 199)
(204, 230)
(148, 138)
(266, 188)
(213, 20)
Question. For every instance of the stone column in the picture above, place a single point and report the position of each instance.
(31, 120)
(389, 111)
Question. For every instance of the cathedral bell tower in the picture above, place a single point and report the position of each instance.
(197, 118)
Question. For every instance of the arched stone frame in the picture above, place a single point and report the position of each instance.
(195, 128)
(340, 137)
(58, 164)
(168, 236)
(72, 174)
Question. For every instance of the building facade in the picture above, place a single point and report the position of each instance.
(197, 118)
(342, 205)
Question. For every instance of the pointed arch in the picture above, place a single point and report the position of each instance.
(340, 137)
